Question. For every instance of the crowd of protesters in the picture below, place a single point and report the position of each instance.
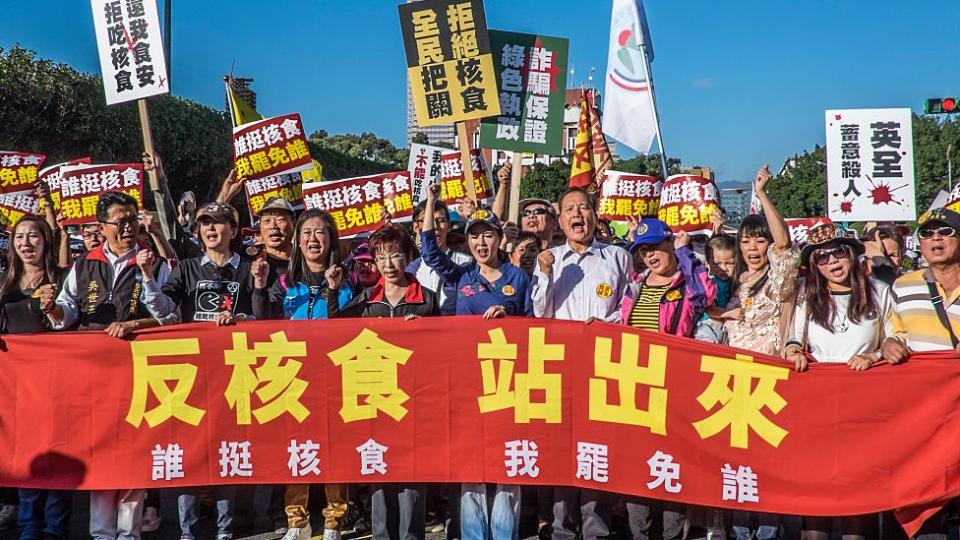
(835, 299)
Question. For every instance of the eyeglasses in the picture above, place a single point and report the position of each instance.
(822, 256)
(928, 232)
(534, 212)
(89, 235)
(129, 223)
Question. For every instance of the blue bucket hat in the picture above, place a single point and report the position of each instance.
(650, 231)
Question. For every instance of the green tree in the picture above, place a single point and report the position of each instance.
(647, 164)
(802, 190)
(365, 146)
(545, 181)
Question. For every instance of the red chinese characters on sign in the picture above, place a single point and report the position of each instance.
(81, 186)
(625, 195)
(453, 186)
(800, 227)
(19, 170)
(270, 147)
(357, 204)
(687, 202)
(261, 190)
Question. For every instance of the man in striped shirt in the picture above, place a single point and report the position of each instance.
(918, 325)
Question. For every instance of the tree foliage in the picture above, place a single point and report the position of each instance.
(647, 164)
(366, 146)
(51, 108)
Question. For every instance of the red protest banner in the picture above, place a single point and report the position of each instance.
(80, 187)
(625, 195)
(270, 147)
(597, 406)
(356, 204)
(19, 170)
(13, 206)
(261, 190)
(687, 202)
(800, 227)
(453, 186)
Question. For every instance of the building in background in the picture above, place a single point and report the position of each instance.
(241, 85)
(702, 172)
(735, 201)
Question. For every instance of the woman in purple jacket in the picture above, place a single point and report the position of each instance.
(672, 293)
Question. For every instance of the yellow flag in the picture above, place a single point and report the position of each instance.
(312, 175)
(240, 112)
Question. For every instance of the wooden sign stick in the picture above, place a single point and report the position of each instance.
(155, 181)
(516, 175)
(466, 161)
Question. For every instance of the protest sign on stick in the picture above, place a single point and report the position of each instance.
(449, 64)
(532, 75)
(357, 204)
(81, 186)
(464, 157)
(270, 147)
(19, 170)
(424, 168)
(261, 190)
(624, 195)
(687, 203)
(870, 165)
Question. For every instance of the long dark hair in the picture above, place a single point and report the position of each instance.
(297, 270)
(11, 280)
(753, 225)
(821, 307)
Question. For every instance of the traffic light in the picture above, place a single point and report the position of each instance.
(942, 106)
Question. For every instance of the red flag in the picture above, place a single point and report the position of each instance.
(591, 156)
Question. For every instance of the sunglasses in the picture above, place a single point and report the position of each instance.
(928, 232)
(822, 256)
(534, 212)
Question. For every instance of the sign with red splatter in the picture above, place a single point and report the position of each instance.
(800, 227)
(870, 165)
(687, 202)
(625, 195)
(357, 204)
(18, 170)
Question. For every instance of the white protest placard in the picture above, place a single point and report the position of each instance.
(132, 60)
(870, 165)
(425, 168)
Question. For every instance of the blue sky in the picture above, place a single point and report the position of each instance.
(739, 83)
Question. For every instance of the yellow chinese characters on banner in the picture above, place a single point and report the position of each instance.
(359, 205)
(81, 186)
(453, 186)
(19, 170)
(270, 147)
(624, 195)
(449, 64)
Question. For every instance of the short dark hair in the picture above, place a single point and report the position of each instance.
(438, 205)
(113, 198)
(390, 235)
(720, 242)
(527, 235)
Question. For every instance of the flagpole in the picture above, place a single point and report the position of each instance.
(653, 99)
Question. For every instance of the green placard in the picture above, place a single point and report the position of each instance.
(532, 78)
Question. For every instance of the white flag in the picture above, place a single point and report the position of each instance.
(628, 113)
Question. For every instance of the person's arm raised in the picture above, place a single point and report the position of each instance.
(778, 227)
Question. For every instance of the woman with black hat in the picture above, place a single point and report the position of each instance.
(841, 315)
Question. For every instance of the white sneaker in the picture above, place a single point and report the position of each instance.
(151, 520)
(298, 533)
(330, 534)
